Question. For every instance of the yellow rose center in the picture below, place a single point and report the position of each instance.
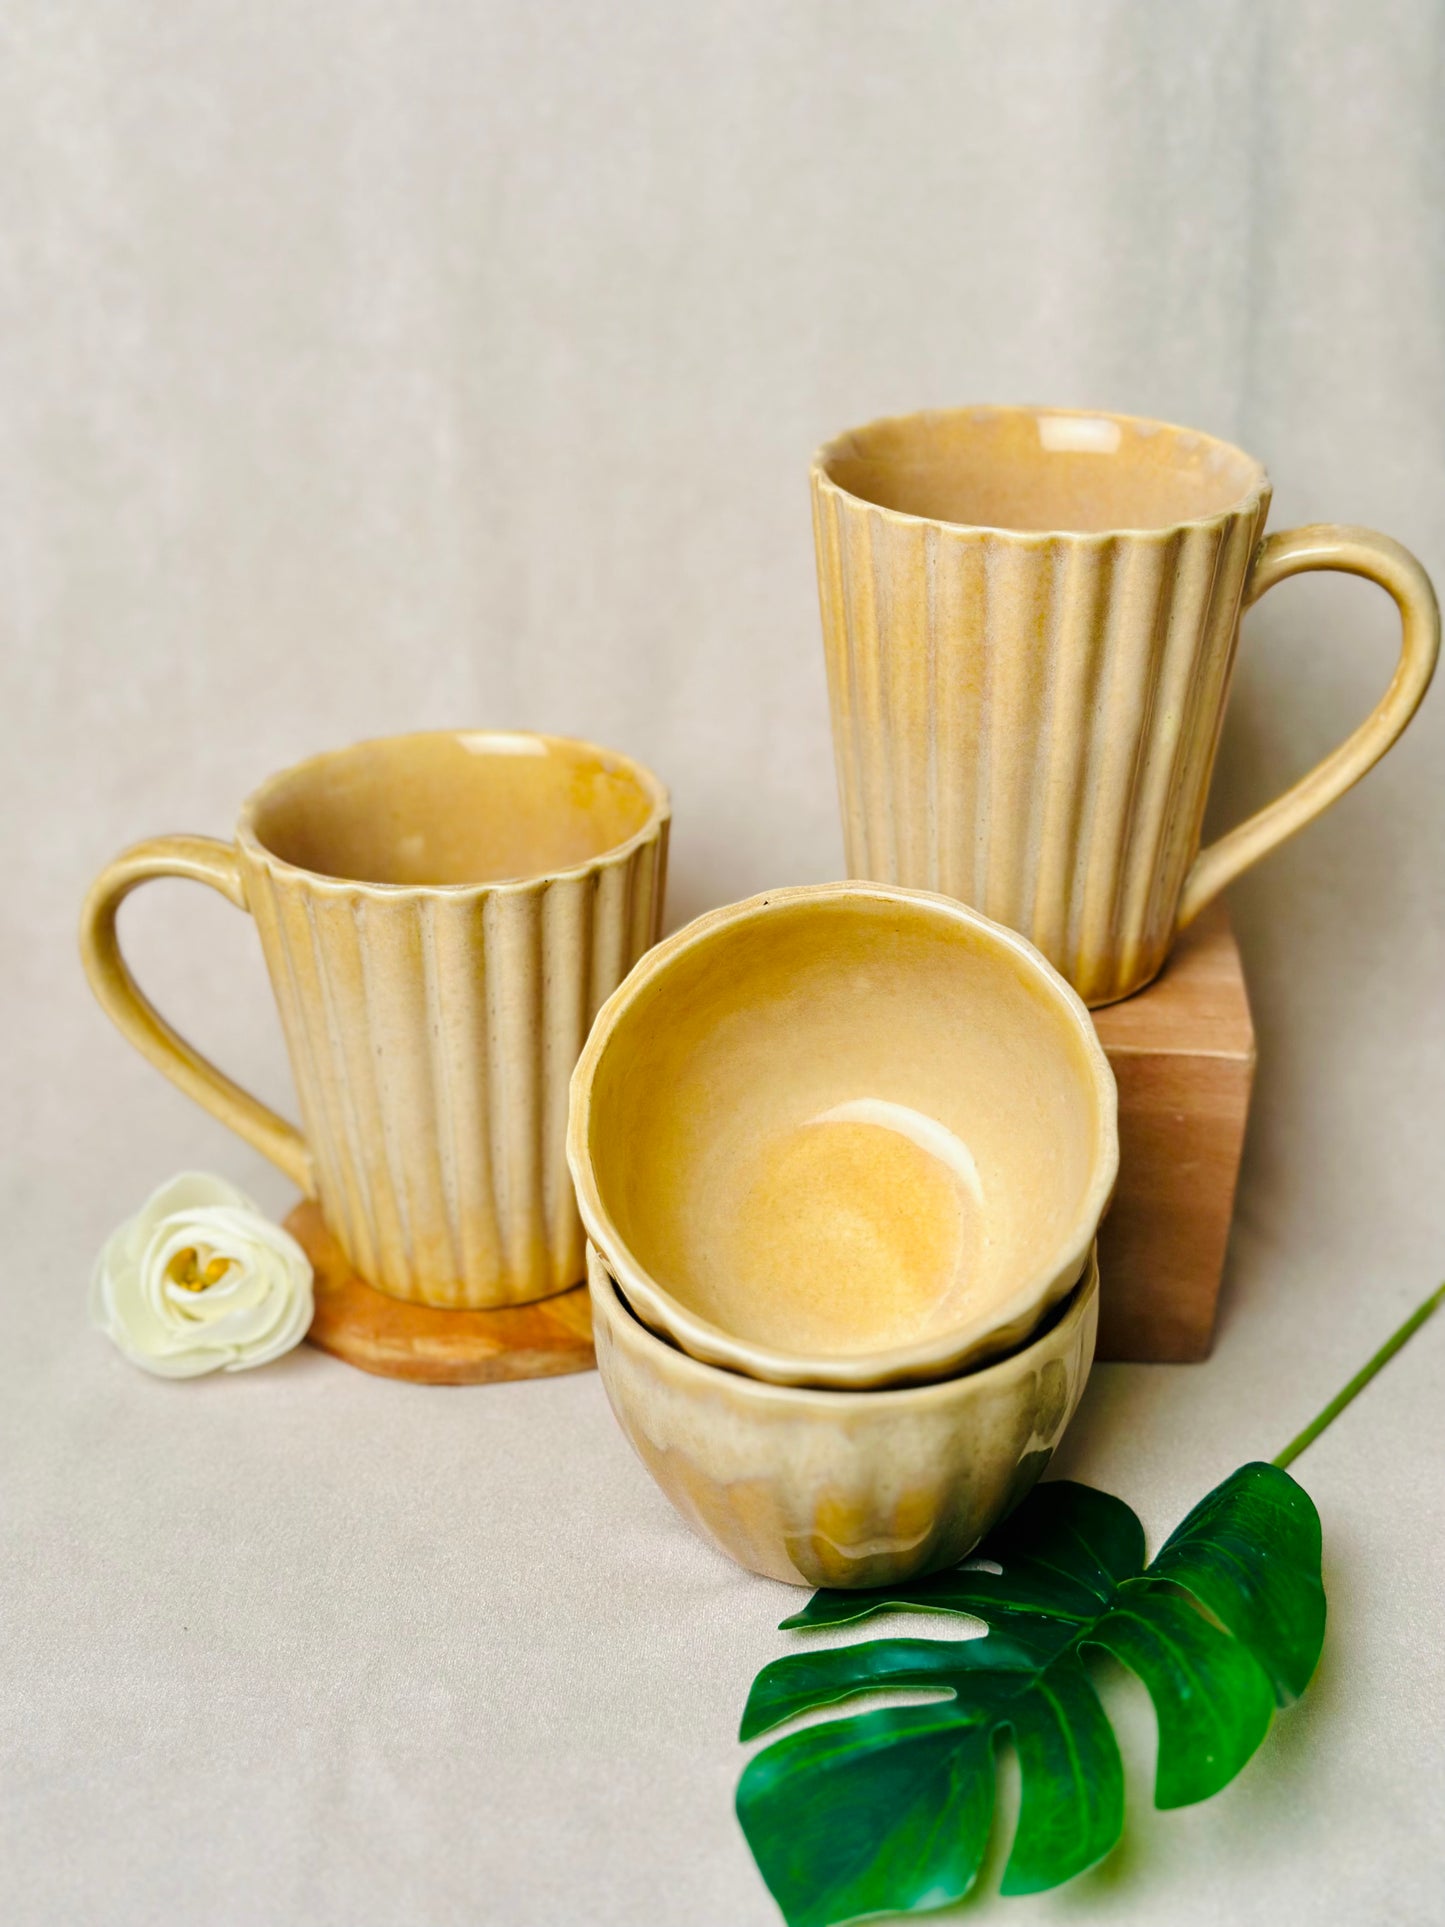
(185, 1270)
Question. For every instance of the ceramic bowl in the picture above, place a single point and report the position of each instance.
(843, 1135)
(822, 1488)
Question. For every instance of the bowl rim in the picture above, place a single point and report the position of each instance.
(831, 1399)
(946, 1353)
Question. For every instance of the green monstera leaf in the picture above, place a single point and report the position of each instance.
(891, 1811)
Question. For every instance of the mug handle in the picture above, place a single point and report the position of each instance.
(1379, 559)
(204, 860)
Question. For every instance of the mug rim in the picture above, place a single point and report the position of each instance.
(249, 839)
(1258, 491)
(946, 1353)
(833, 1399)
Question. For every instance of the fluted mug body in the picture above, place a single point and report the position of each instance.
(441, 916)
(1030, 620)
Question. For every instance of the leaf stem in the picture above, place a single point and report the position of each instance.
(1362, 1378)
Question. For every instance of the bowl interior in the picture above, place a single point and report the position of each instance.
(1041, 469)
(846, 1123)
(443, 808)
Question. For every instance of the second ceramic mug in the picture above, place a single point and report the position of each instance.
(441, 915)
(1030, 617)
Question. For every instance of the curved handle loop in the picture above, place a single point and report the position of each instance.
(203, 860)
(1379, 559)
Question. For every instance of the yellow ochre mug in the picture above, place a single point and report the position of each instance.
(1030, 617)
(442, 915)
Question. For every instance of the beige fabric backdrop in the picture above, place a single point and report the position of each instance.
(368, 366)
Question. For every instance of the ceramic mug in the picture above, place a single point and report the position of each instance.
(843, 1135)
(441, 915)
(824, 1488)
(1030, 618)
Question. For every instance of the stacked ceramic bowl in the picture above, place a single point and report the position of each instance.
(841, 1152)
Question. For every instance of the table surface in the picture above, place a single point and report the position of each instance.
(302, 1645)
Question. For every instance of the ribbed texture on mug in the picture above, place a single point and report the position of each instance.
(1029, 722)
(432, 1037)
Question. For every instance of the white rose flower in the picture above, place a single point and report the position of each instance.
(200, 1281)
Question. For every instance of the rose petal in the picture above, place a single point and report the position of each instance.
(261, 1306)
(190, 1191)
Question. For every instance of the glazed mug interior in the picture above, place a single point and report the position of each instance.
(450, 809)
(1027, 469)
(841, 1133)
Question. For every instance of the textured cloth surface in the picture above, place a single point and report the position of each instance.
(369, 366)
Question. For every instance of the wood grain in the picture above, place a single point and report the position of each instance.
(398, 1340)
(1183, 1054)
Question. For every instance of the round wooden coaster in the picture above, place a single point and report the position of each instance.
(397, 1340)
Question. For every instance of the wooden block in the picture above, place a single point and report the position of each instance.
(397, 1340)
(1183, 1055)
